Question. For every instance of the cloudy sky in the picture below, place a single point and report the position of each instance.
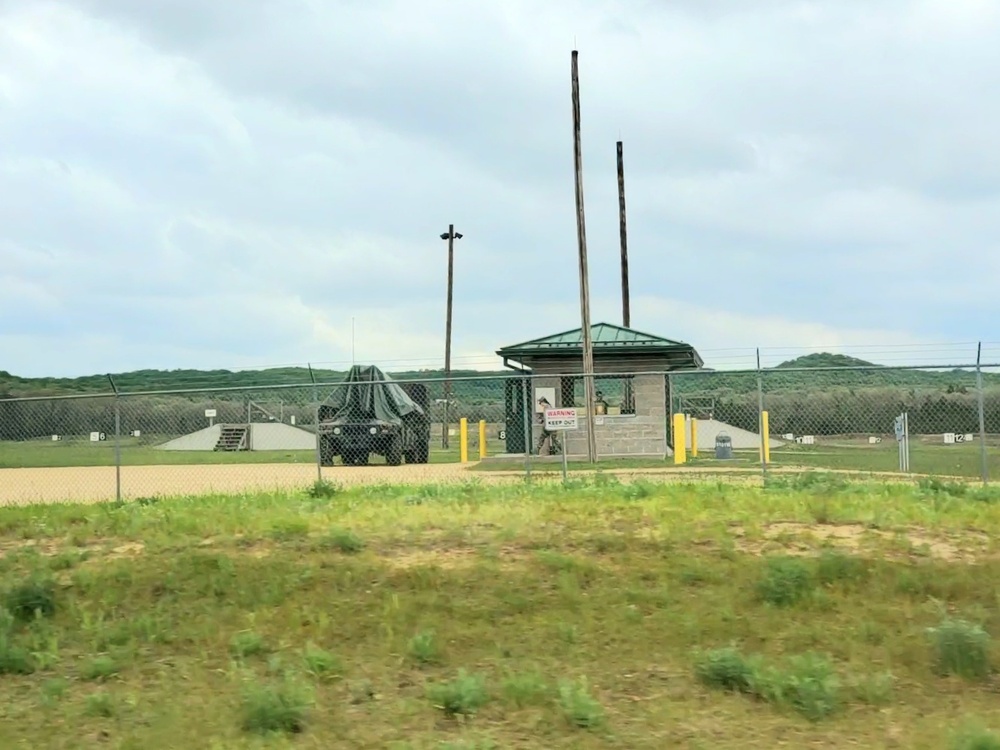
(225, 184)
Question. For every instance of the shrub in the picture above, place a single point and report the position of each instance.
(100, 668)
(423, 648)
(975, 738)
(342, 540)
(834, 567)
(786, 581)
(247, 643)
(726, 669)
(321, 489)
(525, 689)
(269, 709)
(960, 648)
(579, 707)
(31, 599)
(809, 686)
(320, 663)
(464, 695)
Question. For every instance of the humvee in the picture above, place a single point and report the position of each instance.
(371, 413)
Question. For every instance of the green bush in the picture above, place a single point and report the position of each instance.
(464, 695)
(31, 599)
(269, 709)
(579, 707)
(342, 540)
(423, 648)
(786, 581)
(808, 685)
(960, 648)
(975, 738)
(726, 669)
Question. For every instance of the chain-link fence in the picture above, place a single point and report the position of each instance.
(98, 447)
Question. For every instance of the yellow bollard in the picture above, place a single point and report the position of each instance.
(463, 440)
(694, 437)
(680, 453)
(766, 434)
(482, 439)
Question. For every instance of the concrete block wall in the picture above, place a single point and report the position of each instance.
(643, 434)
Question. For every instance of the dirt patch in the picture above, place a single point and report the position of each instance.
(130, 549)
(86, 484)
(808, 539)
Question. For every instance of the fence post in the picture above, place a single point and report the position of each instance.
(315, 395)
(526, 393)
(680, 437)
(118, 441)
(983, 458)
(761, 418)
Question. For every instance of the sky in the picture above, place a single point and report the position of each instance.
(242, 183)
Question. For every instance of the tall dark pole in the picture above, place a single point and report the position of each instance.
(451, 236)
(626, 317)
(581, 234)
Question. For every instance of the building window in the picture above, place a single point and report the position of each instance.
(616, 391)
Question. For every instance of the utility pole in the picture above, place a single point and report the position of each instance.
(451, 235)
(581, 234)
(626, 317)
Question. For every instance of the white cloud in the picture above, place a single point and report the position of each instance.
(188, 184)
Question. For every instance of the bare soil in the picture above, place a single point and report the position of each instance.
(97, 483)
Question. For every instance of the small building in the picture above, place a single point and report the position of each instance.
(632, 419)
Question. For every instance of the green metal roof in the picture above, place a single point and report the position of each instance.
(606, 338)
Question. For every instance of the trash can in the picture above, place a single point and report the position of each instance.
(723, 446)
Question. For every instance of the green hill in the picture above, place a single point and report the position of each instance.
(786, 376)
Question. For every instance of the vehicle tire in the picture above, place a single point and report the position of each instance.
(326, 450)
(421, 453)
(394, 453)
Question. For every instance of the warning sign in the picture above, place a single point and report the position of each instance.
(561, 419)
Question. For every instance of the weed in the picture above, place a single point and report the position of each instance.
(247, 643)
(933, 486)
(464, 695)
(34, 598)
(423, 648)
(525, 689)
(960, 648)
(100, 668)
(580, 708)
(975, 737)
(341, 540)
(726, 669)
(786, 581)
(54, 691)
(321, 664)
(836, 567)
(875, 690)
(100, 705)
(269, 709)
(323, 489)
(808, 685)
(288, 529)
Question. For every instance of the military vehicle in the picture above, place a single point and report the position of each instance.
(371, 413)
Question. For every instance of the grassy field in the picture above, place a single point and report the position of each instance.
(811, 613)
(932, 459)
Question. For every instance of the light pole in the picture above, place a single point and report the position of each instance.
(451, 235)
